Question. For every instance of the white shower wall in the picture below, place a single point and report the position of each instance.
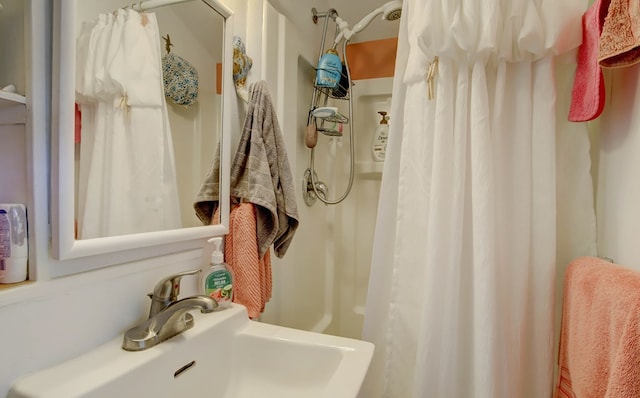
(357, 214)
(303, 293)
(321, 283)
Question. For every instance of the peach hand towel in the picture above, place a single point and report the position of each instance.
(252, 281)
(599, 354)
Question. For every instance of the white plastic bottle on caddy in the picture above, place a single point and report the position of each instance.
(379, 147)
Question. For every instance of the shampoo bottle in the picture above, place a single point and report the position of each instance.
(217, 281)
(379, 147)
(329, 70)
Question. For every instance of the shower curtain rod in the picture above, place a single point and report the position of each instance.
(151, 4)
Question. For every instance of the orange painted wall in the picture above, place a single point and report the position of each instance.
(372, 59)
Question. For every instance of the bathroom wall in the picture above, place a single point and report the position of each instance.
(54, 319)
(13, 134)
(616, 139)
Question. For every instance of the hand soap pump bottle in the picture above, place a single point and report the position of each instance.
(379, 147)
(217, 280)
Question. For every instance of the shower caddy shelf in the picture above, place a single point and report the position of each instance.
(323, 95)
(329, 91)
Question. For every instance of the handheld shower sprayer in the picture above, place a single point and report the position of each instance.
(390, 11)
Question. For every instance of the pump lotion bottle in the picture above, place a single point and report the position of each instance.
(217, 281)
(379, 146)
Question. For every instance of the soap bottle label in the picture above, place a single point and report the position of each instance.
(5, 235)
(218, 286)
(329, 70)
(380, 145)
(379, 148)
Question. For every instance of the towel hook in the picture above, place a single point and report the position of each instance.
(167, 43)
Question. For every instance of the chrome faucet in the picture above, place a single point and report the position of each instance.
(169, 322)
(168, 316)
(167, 291)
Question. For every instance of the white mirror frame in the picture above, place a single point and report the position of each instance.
(64, 244)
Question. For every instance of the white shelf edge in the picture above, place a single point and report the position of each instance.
(9, 99)
(12, 108)
(370, 168)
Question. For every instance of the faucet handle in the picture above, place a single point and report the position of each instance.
(169, 287)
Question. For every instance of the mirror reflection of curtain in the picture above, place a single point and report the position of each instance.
(127, 178)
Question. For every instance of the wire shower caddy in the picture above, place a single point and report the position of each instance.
(312, 188)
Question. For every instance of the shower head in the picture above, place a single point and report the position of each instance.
(390, 11)
(391, 14)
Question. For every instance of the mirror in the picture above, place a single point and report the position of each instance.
(127, 167)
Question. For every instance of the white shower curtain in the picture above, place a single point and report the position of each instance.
(126, 180)
(473, 201)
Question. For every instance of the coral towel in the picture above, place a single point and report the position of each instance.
(620, 39)
(600, 335)
(251, 273)
(588, 95)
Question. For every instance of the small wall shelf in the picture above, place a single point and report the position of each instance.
(4, 286)
(10, 99)
(12, 108)
(369, 169)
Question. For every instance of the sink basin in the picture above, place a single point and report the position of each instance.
(224, 355)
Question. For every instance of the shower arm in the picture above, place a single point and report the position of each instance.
(347, 33)
(389, 11)
(351, 147)
(344, 32)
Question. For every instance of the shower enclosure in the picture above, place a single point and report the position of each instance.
(321, 284)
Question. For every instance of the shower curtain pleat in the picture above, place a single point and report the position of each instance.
(461, 294)
(126, 179)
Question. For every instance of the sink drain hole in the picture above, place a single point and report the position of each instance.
(184, 369)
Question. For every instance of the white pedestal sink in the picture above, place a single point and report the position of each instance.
(224, 355)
